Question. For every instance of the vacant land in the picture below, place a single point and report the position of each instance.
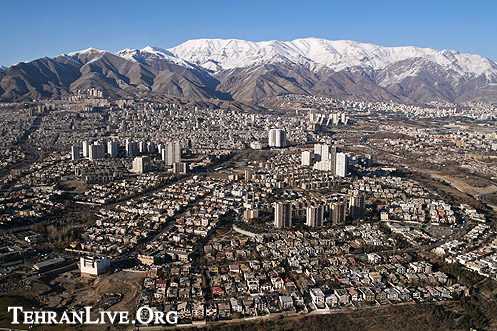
(462, 186)
(69, 291)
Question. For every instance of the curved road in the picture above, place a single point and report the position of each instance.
(483, 199)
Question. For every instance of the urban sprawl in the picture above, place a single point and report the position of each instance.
(315, 206)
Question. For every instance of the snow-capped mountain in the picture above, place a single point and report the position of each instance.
(2, 68)
(150, 55)
(252, 71)
(218, 54)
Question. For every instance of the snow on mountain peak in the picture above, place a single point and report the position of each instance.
(151, 52)
(218, 54)
(90, 50)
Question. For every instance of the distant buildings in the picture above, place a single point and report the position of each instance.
(282, 215)
(277, 138)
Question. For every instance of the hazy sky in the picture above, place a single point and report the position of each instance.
(34, 29)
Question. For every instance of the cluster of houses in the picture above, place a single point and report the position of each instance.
(121, 228)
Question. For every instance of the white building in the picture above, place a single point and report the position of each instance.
(93, 265)
(306, 158)
(314, 216)
(341, 164)
(325, 165)
(143, 147)
(141, 164)
(255, 145)
(86, 148)
(277, 138)
(171, 153)
(317, 297)
(112, 148)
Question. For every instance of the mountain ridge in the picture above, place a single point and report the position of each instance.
(252, 71)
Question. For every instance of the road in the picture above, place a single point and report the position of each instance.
(483, 199)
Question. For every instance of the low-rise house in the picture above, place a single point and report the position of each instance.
(342, 295)
(224, 310)
(354, 294)
(367, 294)
(198, 311)
(286, 302)
(236, 305)
(317, 297)
(331, 300)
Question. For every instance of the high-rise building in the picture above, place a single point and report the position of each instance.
(131, 148)
(151, 147)
(96, 151)
(142, 146)
(282, 215)
(324, 165)
(306, 158)
(75, 152)
(160, 148)
(86, 148)
(112, 148)
(171, 153)
(277, 138)
(141, 164)
(317, 152)
(337, 212)
(325, 155)
(341, 164)
(357, 206)
(314, 216)
(179, 168)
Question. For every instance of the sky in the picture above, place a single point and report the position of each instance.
(31, 29)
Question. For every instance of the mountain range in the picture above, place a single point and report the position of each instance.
(254, 71)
